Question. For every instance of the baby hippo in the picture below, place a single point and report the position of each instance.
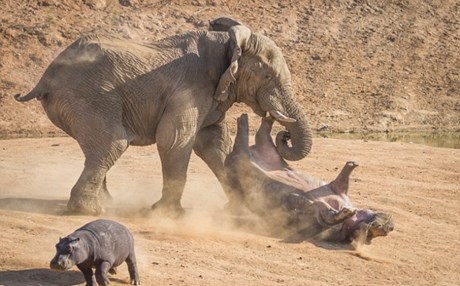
(100, 244)
(261, 179)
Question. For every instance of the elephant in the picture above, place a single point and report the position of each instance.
(109, 93)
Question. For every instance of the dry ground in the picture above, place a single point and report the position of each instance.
(356, 65)
(419, 185)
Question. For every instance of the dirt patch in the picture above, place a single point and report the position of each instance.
(417, 184)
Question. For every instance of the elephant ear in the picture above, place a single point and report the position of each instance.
(239, 36)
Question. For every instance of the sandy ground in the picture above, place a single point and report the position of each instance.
(356, 65)
(418, 185)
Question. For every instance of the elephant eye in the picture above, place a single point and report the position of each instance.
(268, 76)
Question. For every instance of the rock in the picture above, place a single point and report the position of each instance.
(95, 4)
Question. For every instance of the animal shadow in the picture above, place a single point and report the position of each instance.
(41, 206)
(40, 276)
(316, 237)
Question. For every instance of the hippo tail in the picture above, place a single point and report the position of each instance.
(340, 184)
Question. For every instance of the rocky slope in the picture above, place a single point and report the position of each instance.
(357, 65)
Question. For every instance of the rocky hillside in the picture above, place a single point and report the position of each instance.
(357, 65)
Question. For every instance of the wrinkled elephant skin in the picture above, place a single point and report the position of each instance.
(270, 188)
(110, 93)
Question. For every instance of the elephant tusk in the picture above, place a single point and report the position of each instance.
(281, 117)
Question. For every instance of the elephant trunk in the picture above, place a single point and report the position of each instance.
(297, 132)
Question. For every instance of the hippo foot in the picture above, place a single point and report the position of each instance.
(345, 213)
(88, 205)
(168, 209)
(135, 282)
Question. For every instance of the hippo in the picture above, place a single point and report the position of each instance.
(101, 244)
(262, 181)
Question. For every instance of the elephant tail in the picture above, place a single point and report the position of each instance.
(35, 93)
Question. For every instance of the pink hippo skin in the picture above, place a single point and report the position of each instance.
(262, 181)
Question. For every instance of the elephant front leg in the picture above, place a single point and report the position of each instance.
(212, 145)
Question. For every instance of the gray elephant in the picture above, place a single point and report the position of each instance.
(110, 93)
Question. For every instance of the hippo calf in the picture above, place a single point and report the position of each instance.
(100, 244)
(263, 181)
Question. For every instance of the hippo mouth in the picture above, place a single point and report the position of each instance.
(370, 227)
(59, 267)
(63, 264)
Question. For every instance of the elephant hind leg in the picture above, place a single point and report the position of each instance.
(92, 185)
(104, 194)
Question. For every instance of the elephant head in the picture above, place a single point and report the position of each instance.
(259, 77)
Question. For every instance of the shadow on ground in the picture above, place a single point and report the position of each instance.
(52, 207)
(59, 207)
(40, 276)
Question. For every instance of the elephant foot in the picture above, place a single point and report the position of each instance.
(235, 207)
(168, 209)
(83, 204)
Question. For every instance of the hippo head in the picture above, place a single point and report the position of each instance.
(67, 253)
(366, 225)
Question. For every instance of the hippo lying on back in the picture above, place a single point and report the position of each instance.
(270, 188)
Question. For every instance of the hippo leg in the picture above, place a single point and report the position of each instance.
(238, 158)
(88, 274)
(330, 216)
(345, 213)
(101, 273)
(113, 271)
(132, 269)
